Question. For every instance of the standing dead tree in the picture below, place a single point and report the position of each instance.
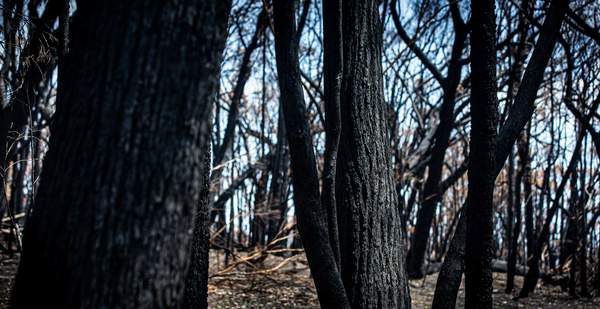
(124, 177)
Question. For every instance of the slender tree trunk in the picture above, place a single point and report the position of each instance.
(529, 211)
(484, 121)
(222, 150)
(312, 218)
(450, 275)
(124, 176)
(520, 113)
(432, 192)
(510, 225)
(514, 242)
(333, 62)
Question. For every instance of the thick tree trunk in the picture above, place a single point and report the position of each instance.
(484, 121)
(371, 244)
(123, 179)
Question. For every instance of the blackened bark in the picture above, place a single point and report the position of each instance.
(312, 218)
(371, 244)
(520, 113)
(195, 295)
(529, 211)
(450, 275)
(122, 181)
(572, 237)
(484, 120)
(257, 222)
(333, 62)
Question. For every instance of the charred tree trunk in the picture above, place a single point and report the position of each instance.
(258, 225)
(123, 180)
(371, 244)
(520, 113)
(583, 199)
(312, 218)
(333, 70)
(222, 150)
(510, 226)
(450, 275)
(195, 295)
(484, 121)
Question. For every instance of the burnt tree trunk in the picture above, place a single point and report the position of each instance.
(371, 244)
(125, 173)
(333, 70)
(312, 218)
(484, 120)
(520, 113)
(196, 279)
(583, 199)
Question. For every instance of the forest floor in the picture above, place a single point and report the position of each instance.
(275, 282)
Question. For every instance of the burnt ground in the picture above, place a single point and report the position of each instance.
(278, 282)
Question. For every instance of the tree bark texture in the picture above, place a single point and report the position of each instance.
(113, 222)
(371, 244)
